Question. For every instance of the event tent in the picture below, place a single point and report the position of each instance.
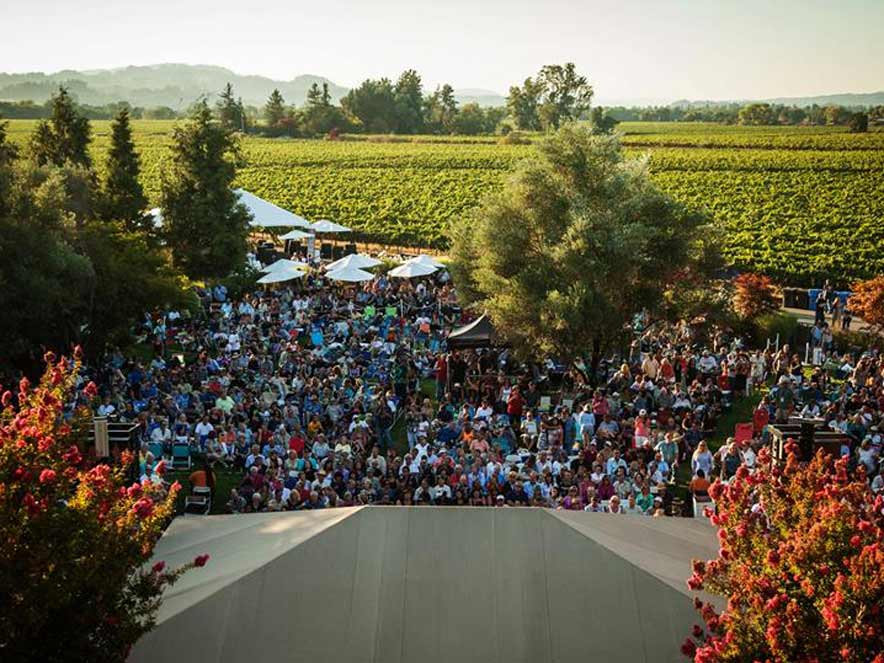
(281, 275)
(284, 263)
(410, 270)
(325, 226)
(267, 215)
(358, 260)
(296, 235)
(479, 333)
(350, 275)
(400, 584)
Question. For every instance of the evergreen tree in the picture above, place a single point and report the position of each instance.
(231, 113)
(205, 225)
(124, 198)
(64, 136)
(274, 109)
(314, 96)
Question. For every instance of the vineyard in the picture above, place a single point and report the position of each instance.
(801, 204)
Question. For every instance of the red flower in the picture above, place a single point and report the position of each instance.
(697, 631)
(49, 357)
(47, 476)
(24, 385)
(7, 398)
(143, 508)
(158, 567)
(134, 491)
(715, 490)
(90, 390)
(773, 557)
(855, 541)
(688, 647)
(200, 560)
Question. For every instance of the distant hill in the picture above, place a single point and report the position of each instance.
(481, 97)
(845, 99)
(173, 85)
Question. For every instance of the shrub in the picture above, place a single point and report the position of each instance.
(867, 301)
(800, 565)
(754, 295)
(75, 538)
(783, 324)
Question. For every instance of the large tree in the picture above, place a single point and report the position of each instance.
(231, 112)
(205, 224)
(123, 197)
(567, 95)
(373, 103)
(409, 94)
(64, 137)
(523, 104)
(576, 243)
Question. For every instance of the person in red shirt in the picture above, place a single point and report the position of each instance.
(297, 442)
(441, 375)
(514, 406)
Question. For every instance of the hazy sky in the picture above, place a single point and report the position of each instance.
(630, 49)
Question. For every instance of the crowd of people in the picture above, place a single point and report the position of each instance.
(318, 396)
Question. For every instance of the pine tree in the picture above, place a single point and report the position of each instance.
(229, 110)
(64, 137)
(124, 198)
(274, 110)
(205, 225)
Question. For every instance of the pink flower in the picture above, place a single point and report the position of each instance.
(134, 490)
(24, 385)
(158, 567)
(200, 560)
(855, 541)
(715, 490)
(7, 398)
(143, 508)
(47, 476)
(49, 357)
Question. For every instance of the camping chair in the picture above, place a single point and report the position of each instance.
(180, 456)
(156, 448)
(199, 501)
(744, 431)
(700, 503)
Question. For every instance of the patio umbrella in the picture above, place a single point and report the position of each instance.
(359, 260)
(280, 275)
(350, 275)
(410, 270)
(424, 259)
(296, 234)
(284, 263)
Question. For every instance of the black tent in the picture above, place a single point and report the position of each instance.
(478, 334)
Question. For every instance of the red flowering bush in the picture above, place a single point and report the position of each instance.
(867, 301)
(801, 565)
(754, 295)
(74, 539)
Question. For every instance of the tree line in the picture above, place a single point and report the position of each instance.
(81, 260)
(755, 114)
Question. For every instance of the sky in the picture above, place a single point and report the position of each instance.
(631, 50)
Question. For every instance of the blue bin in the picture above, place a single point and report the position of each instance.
(812, 294)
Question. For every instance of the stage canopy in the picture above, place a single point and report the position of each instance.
(358, 260)
(410, 270)
(428, 584)
(478, 334)
(267, 215)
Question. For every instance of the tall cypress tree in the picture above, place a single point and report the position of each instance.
(64, 137)
(274, 109)
(205, 225)
(124, 198)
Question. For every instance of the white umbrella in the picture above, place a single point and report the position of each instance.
(424, 259)
(350, 275)
(359, 260)
(296, 234)
(284, 263)
(412, 269)
(157, 215)
(281, 275)
(267, 215)
(326, 226)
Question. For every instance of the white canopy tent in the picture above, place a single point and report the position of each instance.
(411, 270)
(358, 260)
(296, 235)
(350, 275)
(281, 275)
(326, 226)
(157, 215)
(284, 263)
(424, 259)
(267, 215)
